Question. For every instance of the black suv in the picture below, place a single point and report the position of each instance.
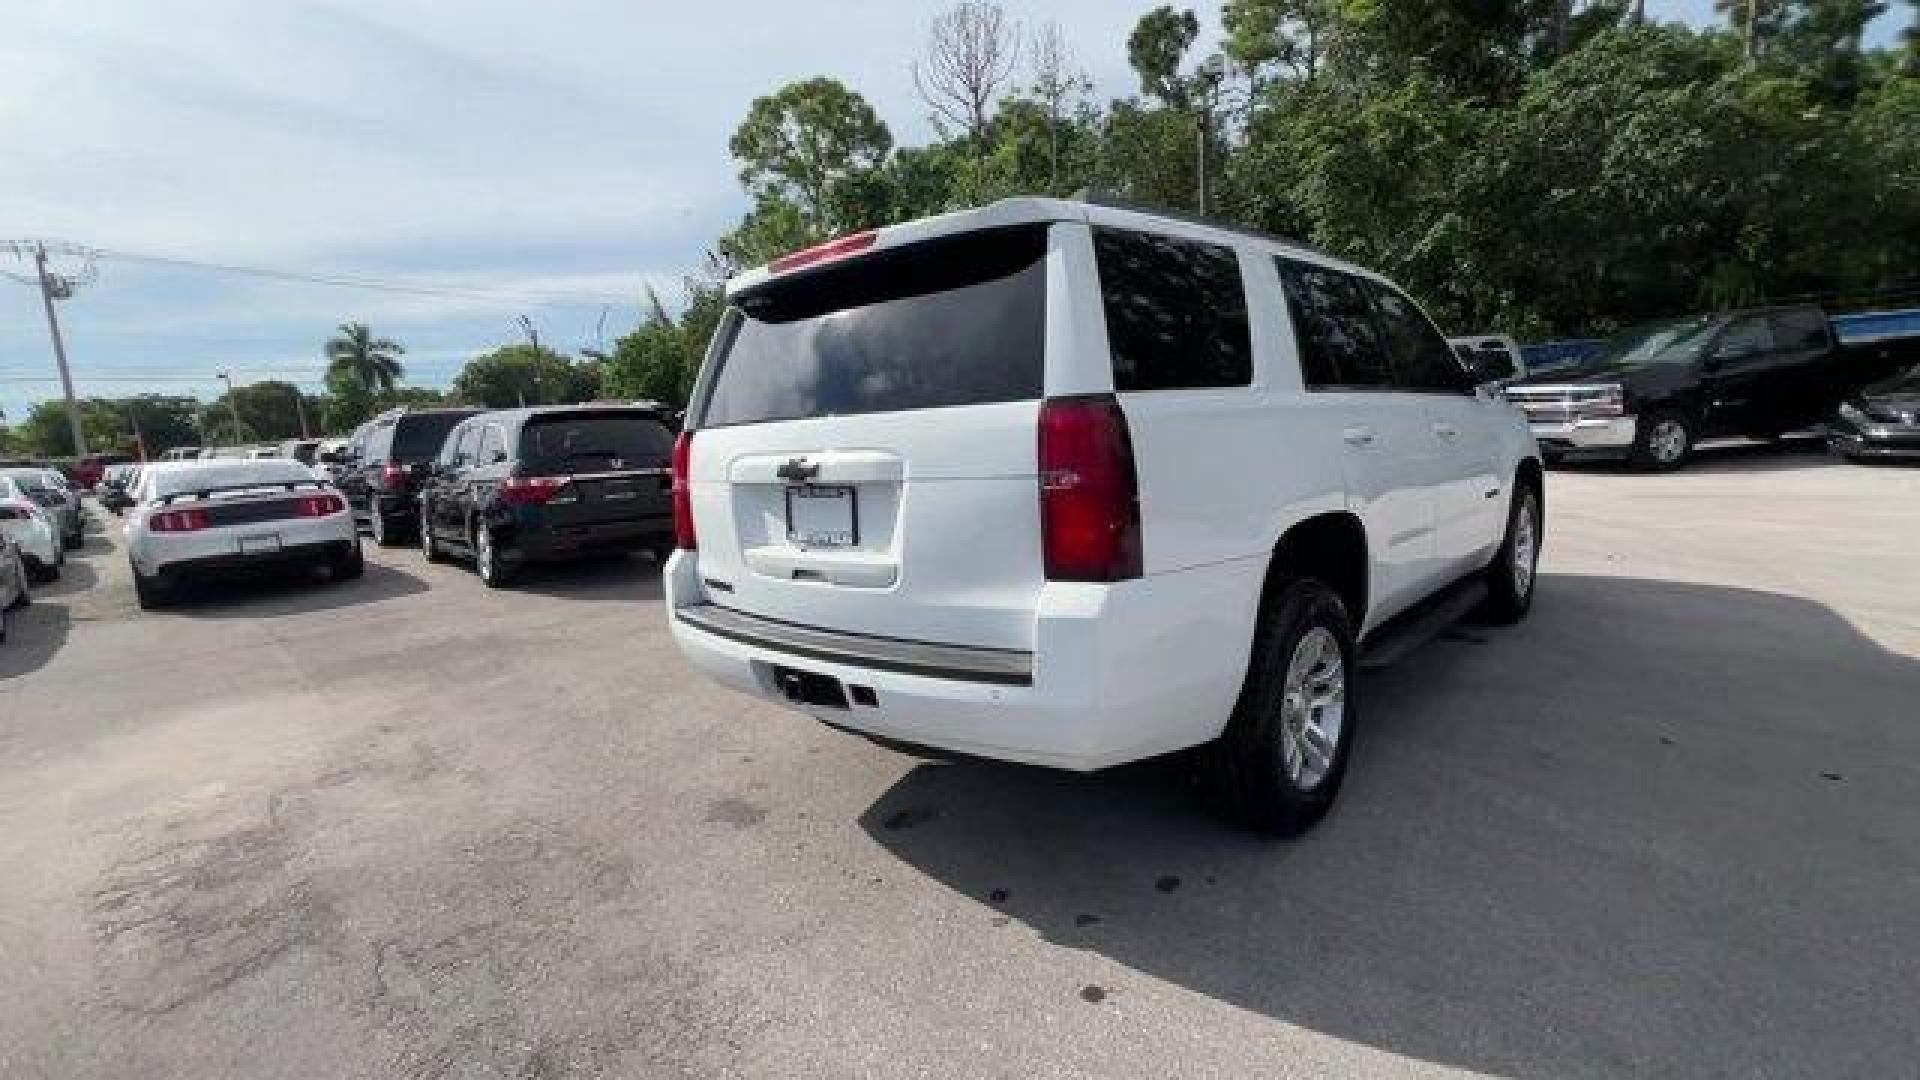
(386, 459)
(527, 485)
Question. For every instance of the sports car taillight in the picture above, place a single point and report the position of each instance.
(320, 505)
(178, 521)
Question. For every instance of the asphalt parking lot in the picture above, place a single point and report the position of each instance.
(409, 827)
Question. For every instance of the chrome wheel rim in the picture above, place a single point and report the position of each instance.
(1668, 441)
(426, 534)
(1526, 545)
(483, 554)
(1313, 709)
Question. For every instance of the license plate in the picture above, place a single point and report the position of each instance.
(260, 544)
(617, 491)
(822, 517)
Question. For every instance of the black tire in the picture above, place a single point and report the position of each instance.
(429, 546)
(1652, 448)
(151, 592)
(349, 566)
(1249, 770)
(75, 542)
(382, 528)
(495, 572)
(1509, 592)
(43, 573)
(661, 553)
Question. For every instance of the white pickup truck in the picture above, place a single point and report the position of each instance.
(1075, 485)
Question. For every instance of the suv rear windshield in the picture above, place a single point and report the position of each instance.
(417, 437)
(585, 441)
(957, 320)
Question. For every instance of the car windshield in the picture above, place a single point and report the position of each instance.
(225, 473)
(622, 439)
(418, 437)
(1671, 341)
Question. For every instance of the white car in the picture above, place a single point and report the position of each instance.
(13, 584)
(1076, 485)
(193, 520)
(32, 531)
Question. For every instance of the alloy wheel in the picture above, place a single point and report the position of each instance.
(1668, 441)
(1313, 709)
(1526, 544)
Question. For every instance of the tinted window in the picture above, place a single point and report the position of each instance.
(1804, 328)
(1176, 312)
(1744, 338)
(1334, 328)
(418, 437)
(1421, 359)
(464, 444)
(954, 321)
(585, 442)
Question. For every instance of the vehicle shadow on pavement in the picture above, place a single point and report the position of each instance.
(292, 593)
(36, 634)
(76, 576)
(602, 578)
(1661, 829)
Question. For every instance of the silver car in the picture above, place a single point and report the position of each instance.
(50, 490)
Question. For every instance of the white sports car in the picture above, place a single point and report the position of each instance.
(33, 531)
(194, 520)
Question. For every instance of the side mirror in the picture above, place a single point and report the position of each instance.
(1488, 367)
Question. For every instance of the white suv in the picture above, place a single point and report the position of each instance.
(1075, 485)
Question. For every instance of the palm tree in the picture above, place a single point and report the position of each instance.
(369, 362)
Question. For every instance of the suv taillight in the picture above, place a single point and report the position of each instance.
(178, 521)
(1089, 498)
(531, 490)
(683, 536)
(394, 475)
(314, 506)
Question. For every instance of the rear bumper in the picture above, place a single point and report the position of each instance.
(545, 542)
(233, 564)
(1613, 435)
(1117, 672)
(216, 551)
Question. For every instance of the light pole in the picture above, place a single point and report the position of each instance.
(233, 407)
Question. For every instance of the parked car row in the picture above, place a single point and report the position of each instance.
(507, 488)
(1652, 393)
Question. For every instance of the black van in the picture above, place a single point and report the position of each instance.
(529, 485)
(386, 459)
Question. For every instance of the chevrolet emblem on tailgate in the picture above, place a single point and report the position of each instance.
(797, 472)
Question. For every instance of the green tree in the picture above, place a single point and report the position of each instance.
(269, 411)
(45, 431)
(1289, 34)
(363, 362)
(517, 375)
(818, 147)
(1155, 50)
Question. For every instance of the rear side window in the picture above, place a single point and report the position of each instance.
(1801, 328)
(958, 320)
(1333, 326)
(1745, 338)
(1176, 312)
(1422, 360)
(586, 442)
(418, 437)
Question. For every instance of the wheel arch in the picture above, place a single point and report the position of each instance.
(1331, 547)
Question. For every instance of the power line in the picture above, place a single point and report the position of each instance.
(355, 281)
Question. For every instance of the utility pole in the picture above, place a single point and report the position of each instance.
(233, 407)
(300, 407)
(1753, 29)
(48, 289)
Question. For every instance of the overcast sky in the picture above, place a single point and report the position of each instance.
(510, 146)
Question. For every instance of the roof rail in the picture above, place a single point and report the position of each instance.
(1115, 202)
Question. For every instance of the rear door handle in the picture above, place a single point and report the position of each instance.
(1358, 436)
(1446, 431)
